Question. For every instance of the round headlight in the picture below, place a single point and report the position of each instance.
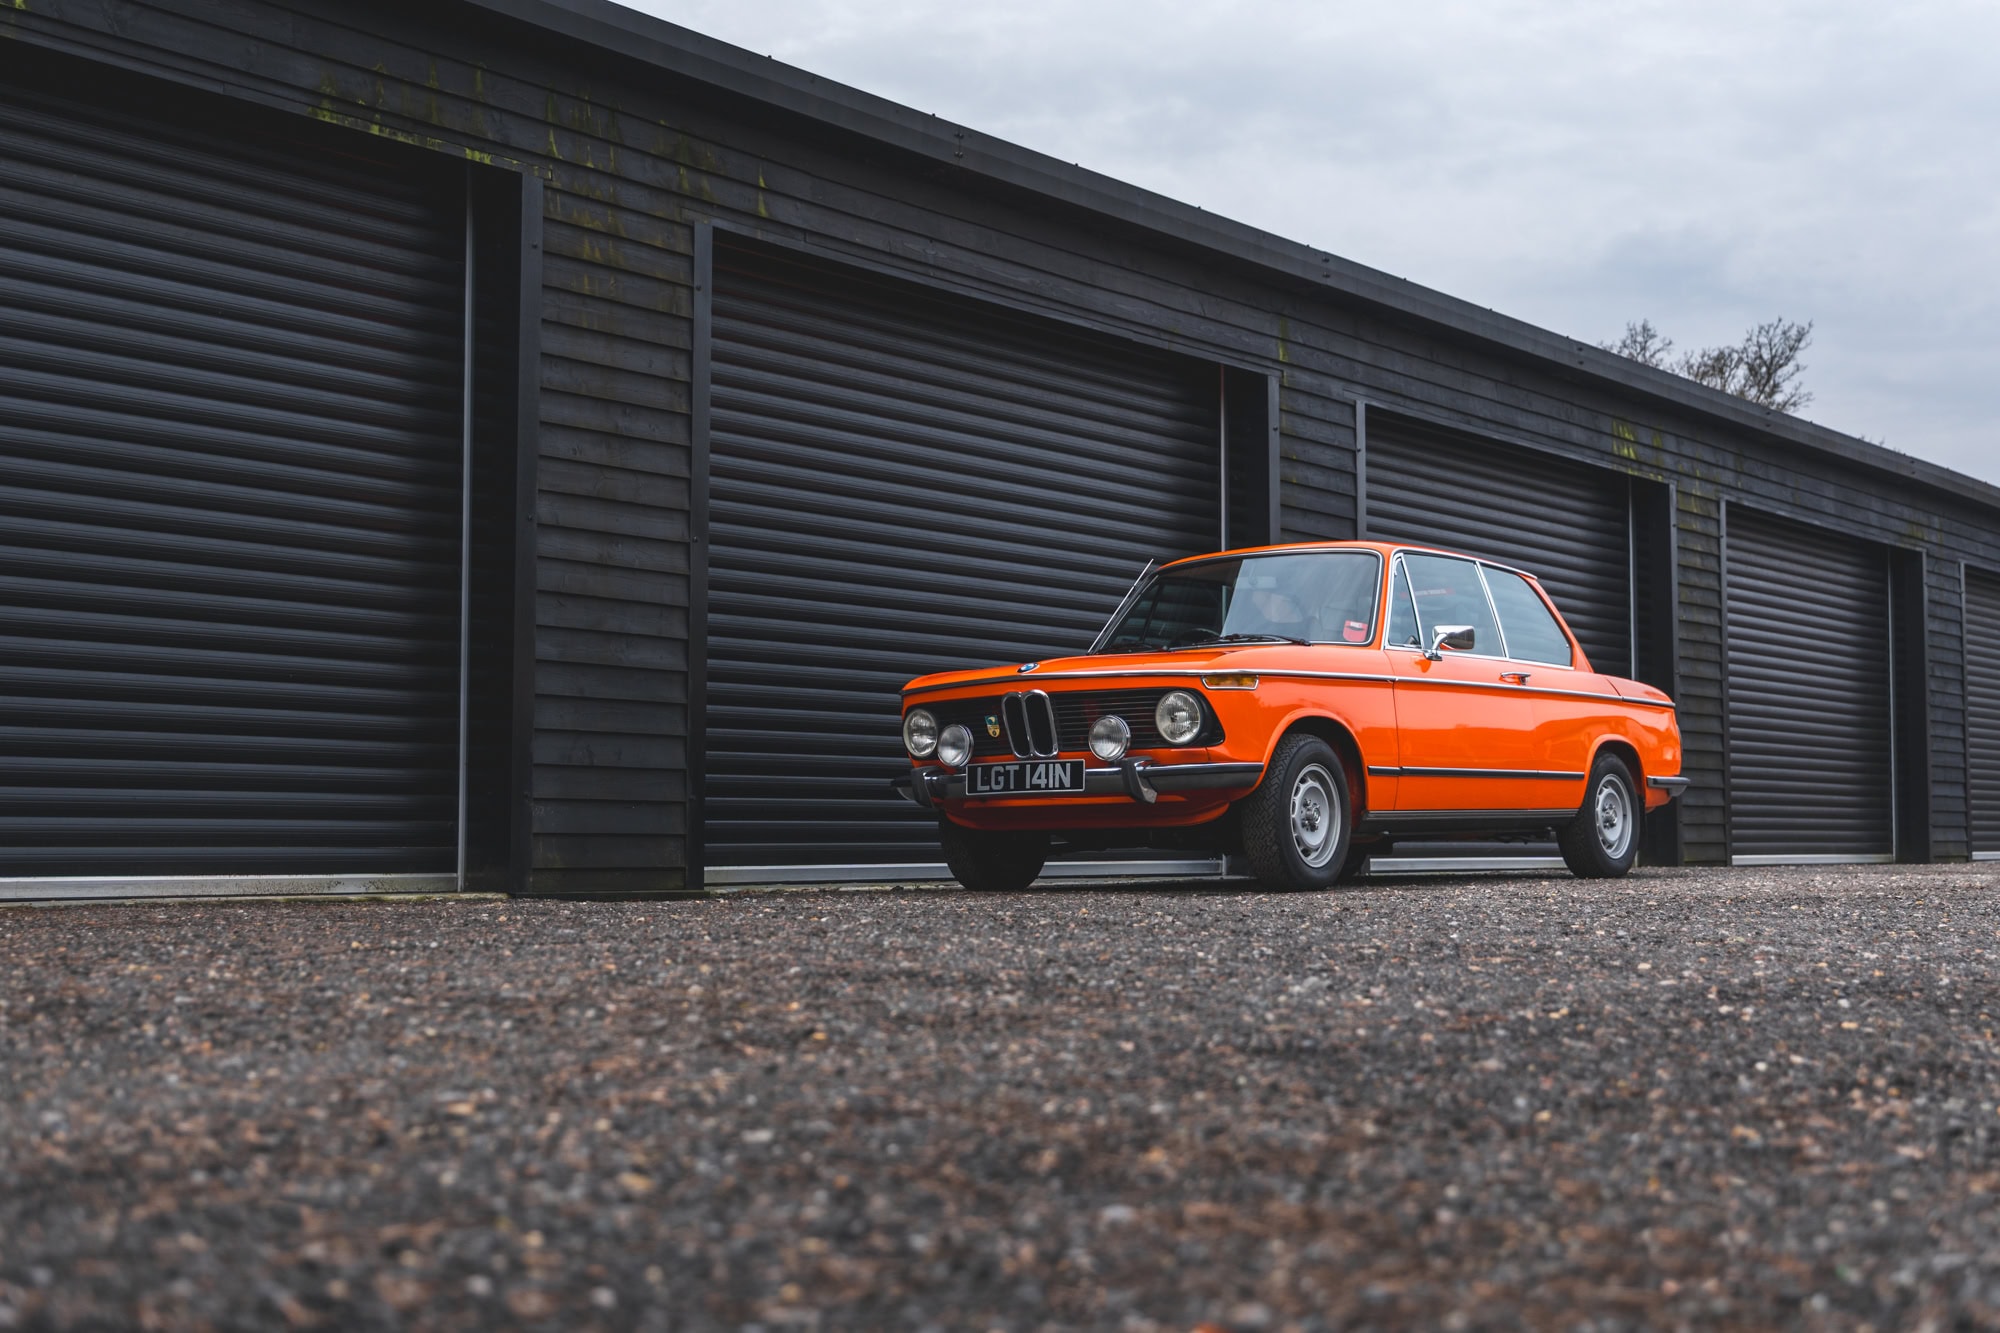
(955, 746)
(1110, 738)
(920, 736)
(1178, 717)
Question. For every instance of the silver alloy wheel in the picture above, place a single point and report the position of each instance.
(1315, 816)
(1614, 817)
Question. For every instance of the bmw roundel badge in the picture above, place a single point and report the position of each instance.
(1026, 667)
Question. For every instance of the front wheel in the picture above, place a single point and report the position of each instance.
(1602, 842)
(993, 862)
(1298, 825)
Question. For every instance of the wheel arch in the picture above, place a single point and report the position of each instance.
(1627, 751)
(1338, 735)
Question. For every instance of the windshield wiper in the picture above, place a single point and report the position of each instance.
(1248, 638)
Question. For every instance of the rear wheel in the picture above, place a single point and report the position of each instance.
(987, 861)
(1297, 825)
(1602, 842)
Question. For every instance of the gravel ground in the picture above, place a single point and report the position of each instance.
(1702, 1098)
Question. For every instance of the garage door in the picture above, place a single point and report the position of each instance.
(1568, 525)
(1810, 769)
(904, 483)
(229, 501)
(1982, 691)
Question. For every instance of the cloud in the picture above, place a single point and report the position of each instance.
(1704, 163)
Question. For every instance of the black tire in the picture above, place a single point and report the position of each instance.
(990, 862)
(1602, 842)
(1304, 853)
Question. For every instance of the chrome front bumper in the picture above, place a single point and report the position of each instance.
(1139, 779)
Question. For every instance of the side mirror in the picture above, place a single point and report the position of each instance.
(1458, 638)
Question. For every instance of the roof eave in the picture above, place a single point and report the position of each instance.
(690, 55)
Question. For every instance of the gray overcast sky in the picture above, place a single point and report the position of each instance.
(1704, 163)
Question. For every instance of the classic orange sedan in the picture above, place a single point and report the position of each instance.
(1304, 705)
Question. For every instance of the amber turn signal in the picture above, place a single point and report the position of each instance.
(1230, 680)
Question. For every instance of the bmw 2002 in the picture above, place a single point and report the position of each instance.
(1304, 705)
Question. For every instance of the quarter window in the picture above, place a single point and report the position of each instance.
(1448, 592)
(1403, 631)
(1532, 632)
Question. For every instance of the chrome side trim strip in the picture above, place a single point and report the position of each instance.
(1281, 674)
(1540, 690)
(1467, 818)
(1436, 865)
(887, 876)
(1523, 774)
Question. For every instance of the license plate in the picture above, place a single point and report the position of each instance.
(1033, 777)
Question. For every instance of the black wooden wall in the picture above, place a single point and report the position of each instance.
(631, 158)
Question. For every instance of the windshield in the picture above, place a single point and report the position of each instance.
(1302, 597)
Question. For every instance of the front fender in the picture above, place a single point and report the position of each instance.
(1357, 753)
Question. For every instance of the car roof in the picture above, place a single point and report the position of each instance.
(1384, 549)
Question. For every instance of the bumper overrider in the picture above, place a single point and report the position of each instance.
(1140, 779)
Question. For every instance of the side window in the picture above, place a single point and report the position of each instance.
(1532, 633)
(1402, 614)
(1448, 592)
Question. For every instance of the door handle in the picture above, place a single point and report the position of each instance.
(1518, 677)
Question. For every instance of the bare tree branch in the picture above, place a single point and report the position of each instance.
(1643, 343)
(1769, 367)
(1764, 368)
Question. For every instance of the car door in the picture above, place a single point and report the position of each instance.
(1559, 683)
(1466, 731)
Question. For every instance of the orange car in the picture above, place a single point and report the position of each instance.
(1304, 705)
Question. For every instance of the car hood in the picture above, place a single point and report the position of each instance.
(1024, 675)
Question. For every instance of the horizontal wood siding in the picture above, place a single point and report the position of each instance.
(1315, 466)
(633, 159)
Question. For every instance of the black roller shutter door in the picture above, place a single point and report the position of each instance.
(903, 482)
(1982, 700)
(1810, 767)
(230, 444)
(1569, 525)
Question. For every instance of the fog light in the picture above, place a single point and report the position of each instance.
(1178, 717)
(955, 746)
(920, 736)
(1110, 738)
